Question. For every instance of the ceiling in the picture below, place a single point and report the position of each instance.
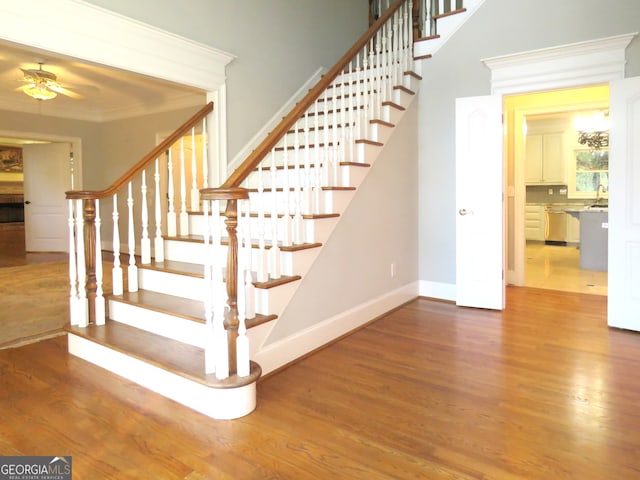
(105, 93)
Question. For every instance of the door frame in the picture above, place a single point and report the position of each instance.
(567, 66)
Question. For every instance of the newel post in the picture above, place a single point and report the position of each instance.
(89, 216)
(231, 322)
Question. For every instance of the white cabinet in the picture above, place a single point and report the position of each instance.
(534, 222)
(545, 162)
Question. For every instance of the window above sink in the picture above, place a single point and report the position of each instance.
(589, 174)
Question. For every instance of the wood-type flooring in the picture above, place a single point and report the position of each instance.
(542, 390)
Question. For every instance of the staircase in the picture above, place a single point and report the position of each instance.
(199, 297)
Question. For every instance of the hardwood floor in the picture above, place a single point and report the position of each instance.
(542, 390)
(558, 268)
(12, 248)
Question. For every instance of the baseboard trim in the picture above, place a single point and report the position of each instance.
(441, 291)
(283, 352)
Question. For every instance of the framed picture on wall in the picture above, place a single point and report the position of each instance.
(10, 159)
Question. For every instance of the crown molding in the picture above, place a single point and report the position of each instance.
(593, 62)
(91, 33)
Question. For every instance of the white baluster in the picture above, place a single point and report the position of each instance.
(117, 279)
(171, 212)
(306, 195)
(396, 48)
(195, 193)
(73, 269)
(343, 121)
(274, 252)
(158, 244)
(262, 267)
(132, 271)
(220, 345)
(325, 146)
(335, 164)
(101, 307)
(349, 128)
(297, 234)
(184, 217)
(209, 342)
(409, 41)
(365, 94)
(286, 218)
(249, 288)
(242, 342)
(83, 303)
(145, 241)
(389, 60)
(379, 75)
(358, 99)
(317, 160)
(205, 161)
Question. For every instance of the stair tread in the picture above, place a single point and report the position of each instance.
(268, 244)
(197, 270)
(176, 357)
(179, 306)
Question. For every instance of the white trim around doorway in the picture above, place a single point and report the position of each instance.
(567, 66)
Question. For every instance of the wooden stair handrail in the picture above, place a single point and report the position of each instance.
(144, 162)
(272, 139)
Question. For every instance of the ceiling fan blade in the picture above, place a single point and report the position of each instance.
(65, 91)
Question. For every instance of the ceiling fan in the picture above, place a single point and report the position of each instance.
(43, 85)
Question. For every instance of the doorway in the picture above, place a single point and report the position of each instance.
(542, 144)
(13, 240)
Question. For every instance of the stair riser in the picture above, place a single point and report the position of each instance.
(183, 330)
(329, 201)
(316, 230)
(194, 289)
(301, 177)
(170, 326)
(293, 263)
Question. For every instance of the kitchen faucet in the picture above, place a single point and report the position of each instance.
(601, 189)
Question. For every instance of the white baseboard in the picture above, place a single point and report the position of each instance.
(442, 291)
(280, 353)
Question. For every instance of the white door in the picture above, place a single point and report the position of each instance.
(479, 203)
(624, 205)
(47, 177)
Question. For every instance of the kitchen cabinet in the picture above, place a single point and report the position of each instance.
(534, 222)
(545, 162)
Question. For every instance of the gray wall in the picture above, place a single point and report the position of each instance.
(378, 227)
(499, 27)
(279, 44)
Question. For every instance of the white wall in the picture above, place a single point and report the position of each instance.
(279, 44)
(499, 27)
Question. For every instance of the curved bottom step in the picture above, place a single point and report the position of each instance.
(223, 400)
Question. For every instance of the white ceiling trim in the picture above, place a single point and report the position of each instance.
(81, 30)
(592, 62)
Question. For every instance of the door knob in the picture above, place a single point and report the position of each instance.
(462, 211)
(27, 202)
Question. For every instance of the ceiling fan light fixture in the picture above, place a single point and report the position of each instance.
(40, 91)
